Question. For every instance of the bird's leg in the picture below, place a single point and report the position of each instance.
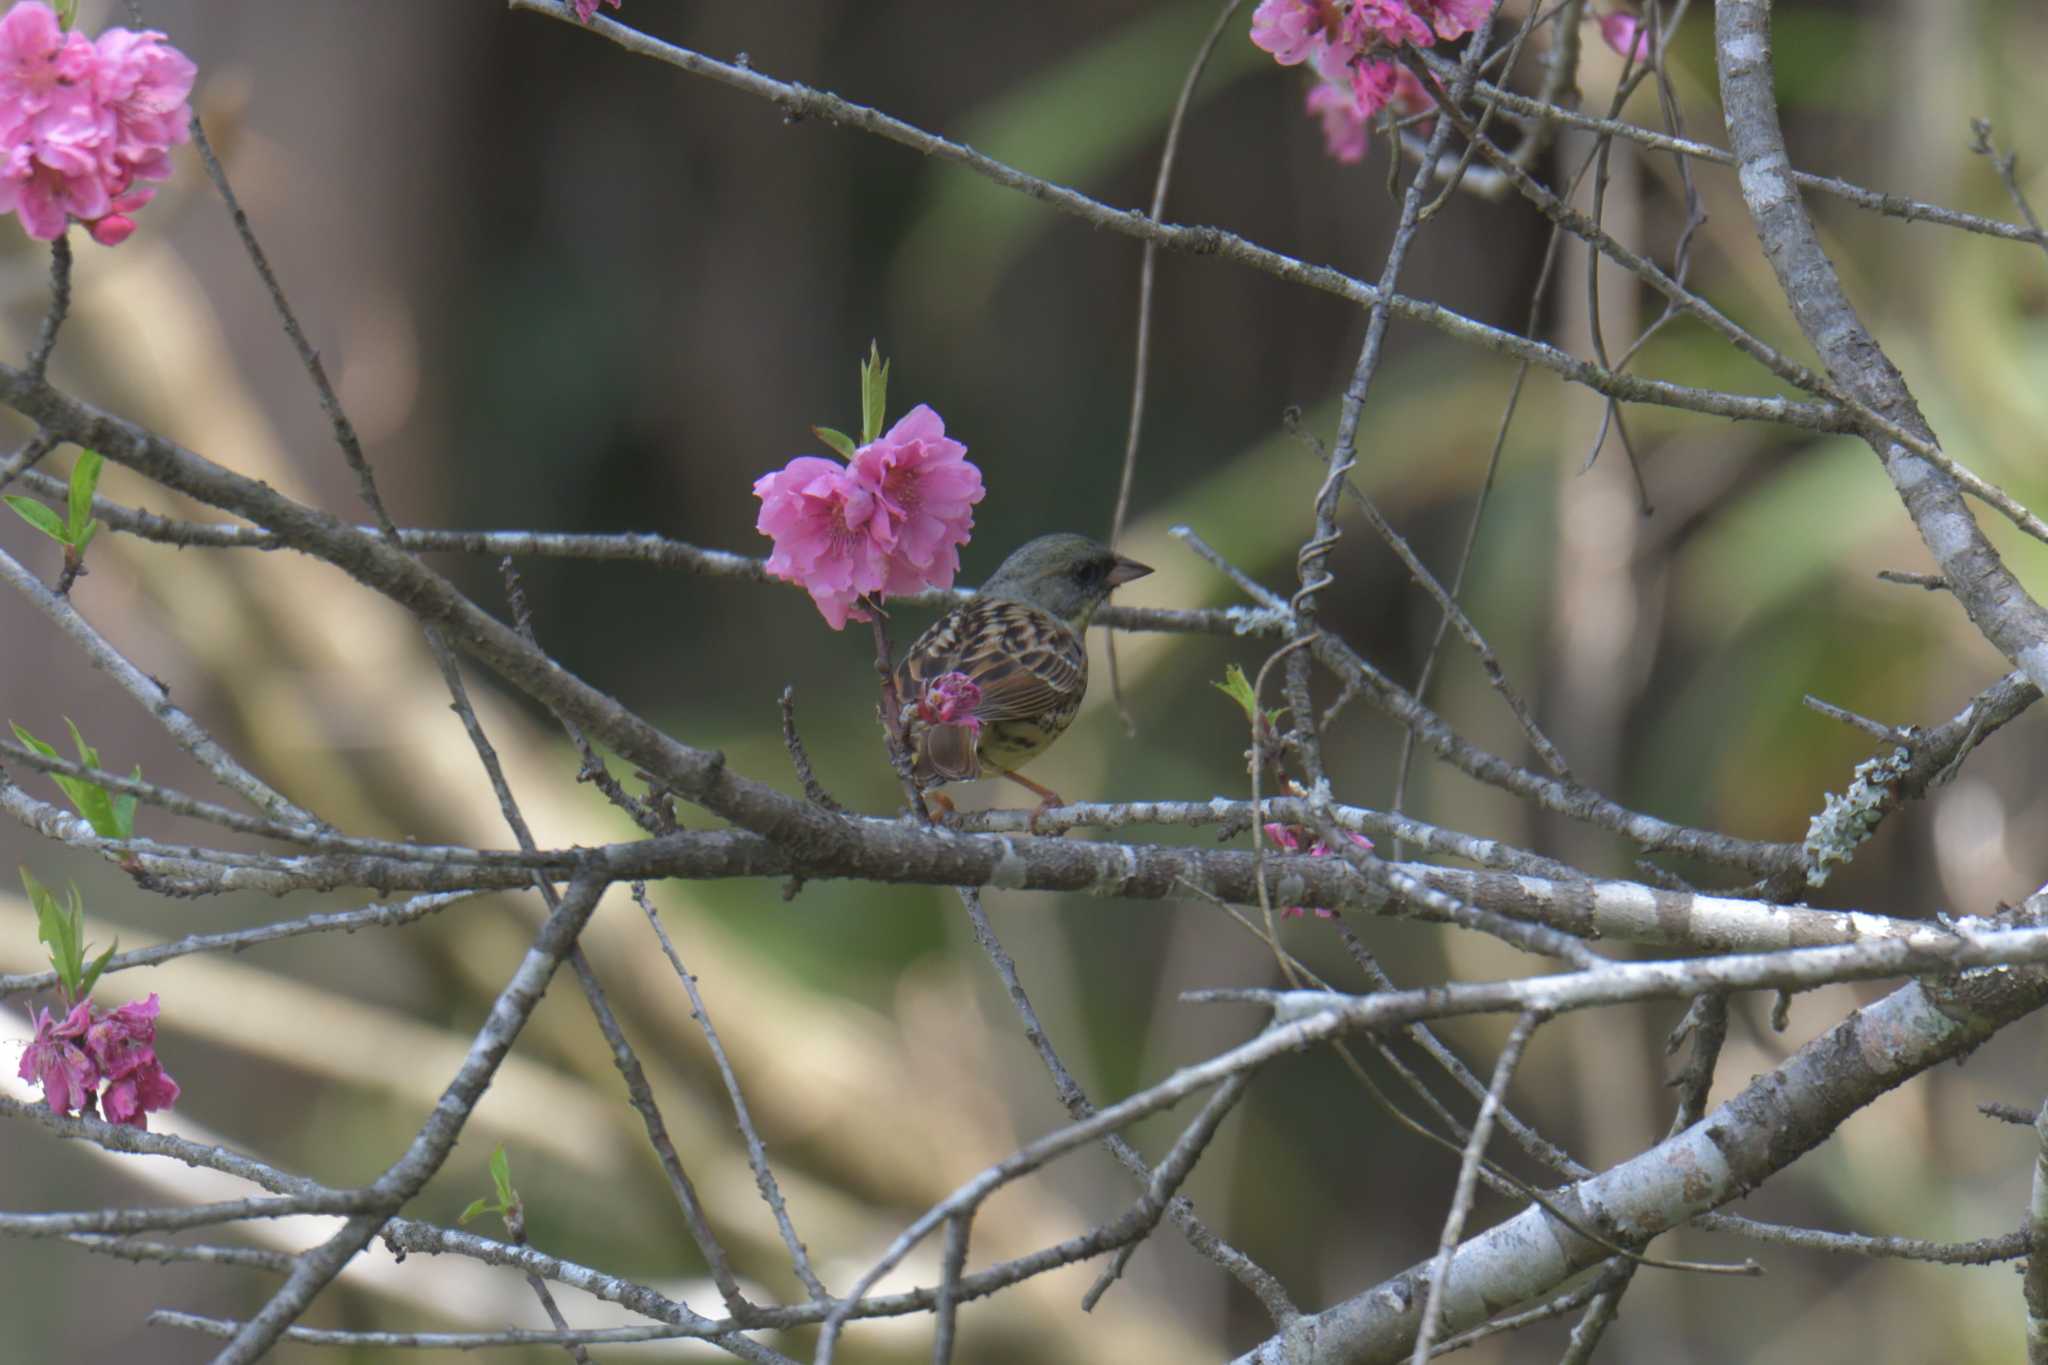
(1047, 797)
(941, 807)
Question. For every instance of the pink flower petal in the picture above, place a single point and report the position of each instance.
(1292, 30)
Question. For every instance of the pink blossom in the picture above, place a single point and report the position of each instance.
(950, 700)
(116, 227)
(1453, 19)
(831, 535)
(82, 121)
(116, 1048)
(586, 8)
(57, 1062)
(1289, 838)
(927, 489)
(130, 1099)
(1382, 83)
(141, 83)
(1346, 131)
(51, 127)
(1294, 31)
(1347, 109)
(890, 522)
(41, 65)
(113, 229)
(1392, 22)
(123, 1042)
(1627, 35)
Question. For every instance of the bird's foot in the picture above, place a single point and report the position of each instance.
(1048, 799)
(940, 806)
(1045, 806)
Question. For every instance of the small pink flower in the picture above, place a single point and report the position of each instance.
(1383, 83)
(926, 489)
(1627, 35)
(113, 229)
(130, 1099)
(123, 1042)
(40, 64)
(1392, 22)
(142, 83)
(586, 8)
(1283, 835)
(1453, 19)
(831, 535)
(116, 227)
(1289, 838)
(950, 700)
(1419, 22)
(57, 1062)
(1347, 109)
(1294, 31)
(1346, 131)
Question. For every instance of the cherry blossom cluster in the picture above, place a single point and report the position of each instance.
(889, 521)
(1349, 46)
(95, 1061)
(83, 122)
(1291, 838)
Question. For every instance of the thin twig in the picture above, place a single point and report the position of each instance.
(757, 1151)
(814, 790)
(1875, 729)
(2034, 1286)
(2006, 165)
(1468, 1175)
(60, 307)
(1141, 364)
(952, 1264)
(1167, 1179)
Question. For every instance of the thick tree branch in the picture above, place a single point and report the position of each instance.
(1997, 603)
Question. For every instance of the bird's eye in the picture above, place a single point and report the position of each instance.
(1091, 573)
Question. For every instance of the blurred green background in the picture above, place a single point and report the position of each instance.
(562, 288)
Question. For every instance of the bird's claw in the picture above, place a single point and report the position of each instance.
(940, 807)
(1046, 805)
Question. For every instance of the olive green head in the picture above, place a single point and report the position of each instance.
(1064, 574)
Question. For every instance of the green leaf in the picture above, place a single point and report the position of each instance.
(501, 1174)
(32, 742)
(87, 755)
(501, 1180)
(59, 927)
(86, 797)
(124, 809)
(94, 802)
(38, 516)
(841, 443)
(85, 477)
(92, 973)
(874, 393)
(1238, 688)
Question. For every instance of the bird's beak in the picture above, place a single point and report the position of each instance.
(1124, 570)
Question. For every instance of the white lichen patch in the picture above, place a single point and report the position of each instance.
(1846, 821)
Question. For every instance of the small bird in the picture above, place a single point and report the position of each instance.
(998, 678)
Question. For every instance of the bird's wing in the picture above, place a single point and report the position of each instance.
(1025, 661)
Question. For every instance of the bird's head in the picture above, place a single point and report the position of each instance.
(1064, 574)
